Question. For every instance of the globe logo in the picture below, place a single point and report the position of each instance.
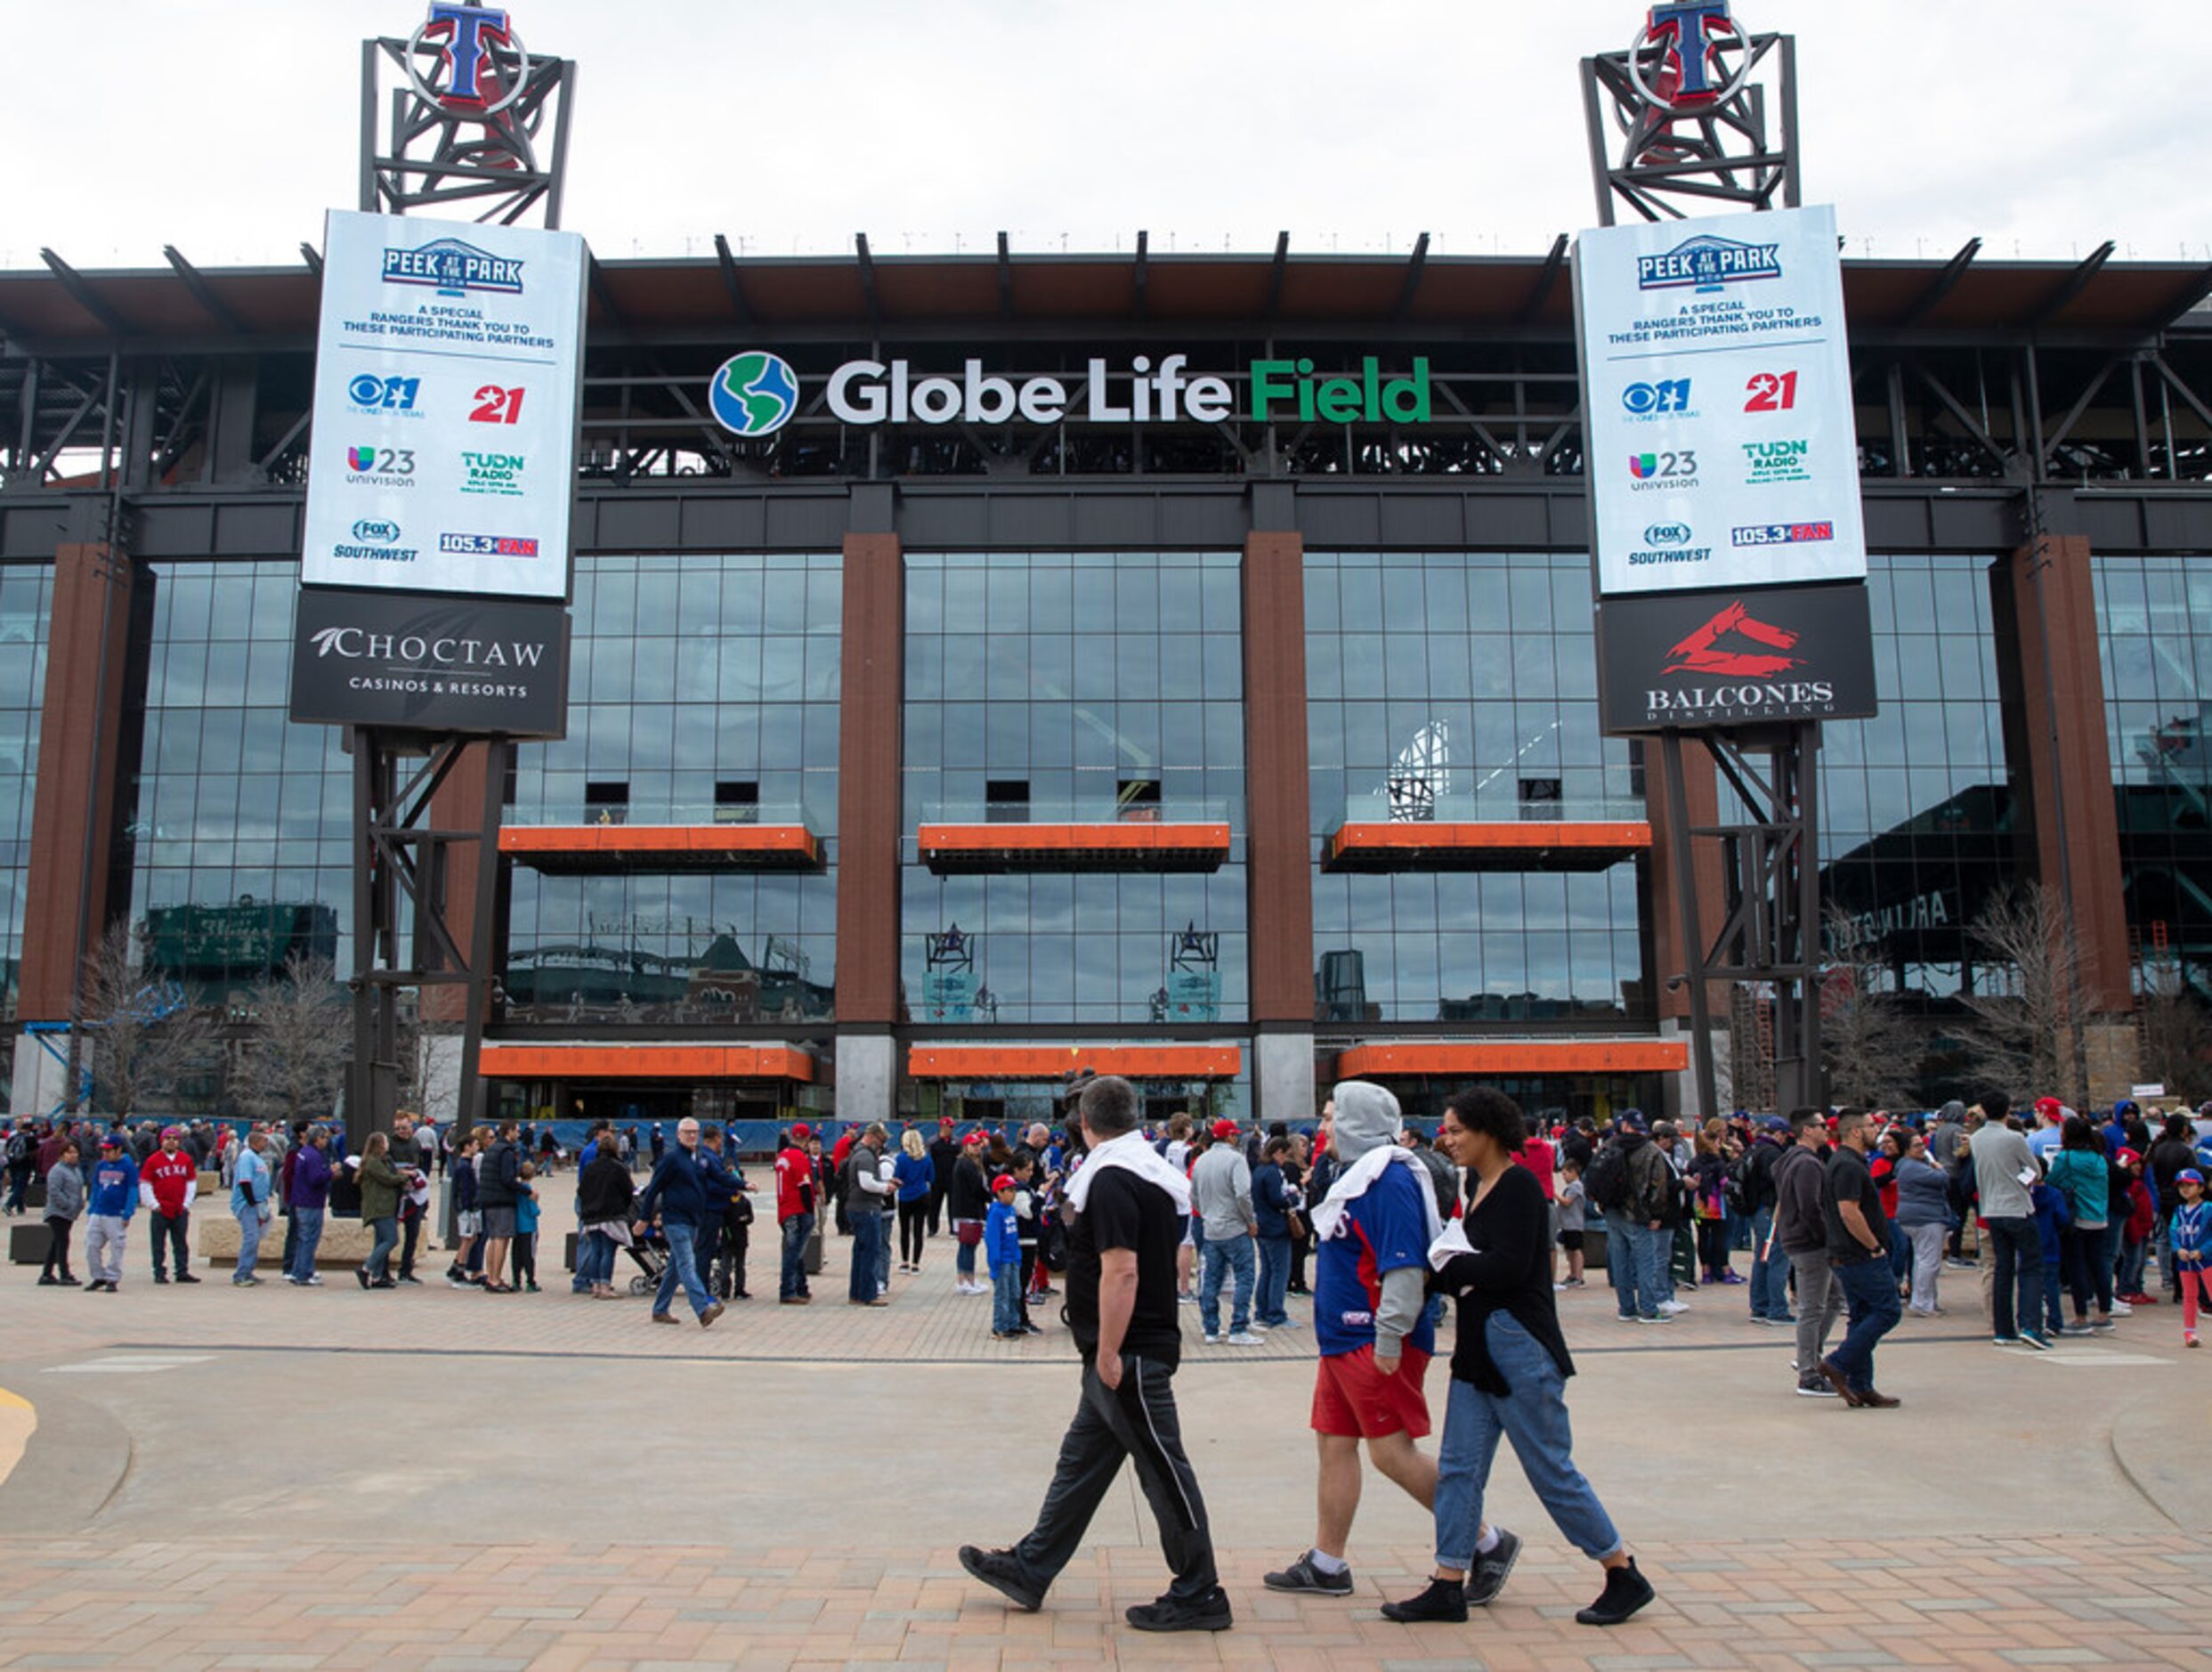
(754, 394)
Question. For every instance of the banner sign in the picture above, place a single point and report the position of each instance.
(1724, 658)
(430, 664)
(447, 397)
(1722, 449)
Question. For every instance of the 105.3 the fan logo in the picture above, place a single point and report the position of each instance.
(380, 466)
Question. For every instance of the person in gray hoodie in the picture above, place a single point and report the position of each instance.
(1372, 1326)
(65, 1201)
(1220, 1187)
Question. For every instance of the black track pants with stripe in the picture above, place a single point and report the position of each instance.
(1136, 1421)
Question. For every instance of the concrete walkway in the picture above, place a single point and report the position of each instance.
(432, 1477)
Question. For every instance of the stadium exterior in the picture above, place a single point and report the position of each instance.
(1237, 736)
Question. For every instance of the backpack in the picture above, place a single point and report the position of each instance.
(1740, 1186)
(19, 1148)
(1444, 1179)
(1606, 1184)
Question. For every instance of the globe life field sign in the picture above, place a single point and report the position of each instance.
(447, 395)
(1721, 449)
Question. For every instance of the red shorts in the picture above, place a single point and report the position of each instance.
(1351, 1397)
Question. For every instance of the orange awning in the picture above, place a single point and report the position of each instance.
(581, 848)
(1136, 845)
(1501, 845)
(1054, 1062)
(647, 1062)
(1514, 1056)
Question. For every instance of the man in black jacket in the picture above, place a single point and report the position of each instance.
(1801, 1231)
(1769, 1265)
(944, 1155)
(498, 1173)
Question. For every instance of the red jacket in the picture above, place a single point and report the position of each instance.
(2143, 1213)
(794, 1183)
(171, 1179)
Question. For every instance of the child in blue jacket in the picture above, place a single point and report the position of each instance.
(2052, 1216)
(1002, 1247)
(2191, 1235)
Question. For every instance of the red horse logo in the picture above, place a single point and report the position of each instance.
(1697, 653)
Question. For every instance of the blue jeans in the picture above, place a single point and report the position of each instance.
(307, 1222)
(964, 1253)
(797, 1230)
(2133, 1258)
(1006, 1298)
(249, 1230)
(1533, 1415)
(1620, 1263)
(867, 1256)
(1901, 1253)
(1653, 1250)
(595, 1260)
(1274, 1276)
(1224, 1255)
(682, 1268)
(1769, 1277)
(386, 1235)
(1875, 1309)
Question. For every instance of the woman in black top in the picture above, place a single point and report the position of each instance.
(1509, 1374)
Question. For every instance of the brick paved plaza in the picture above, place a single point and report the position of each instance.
(281, 1478)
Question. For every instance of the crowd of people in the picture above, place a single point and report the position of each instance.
(1850, 1217)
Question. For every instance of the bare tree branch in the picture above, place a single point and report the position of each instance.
(146, 1037)
(2021, 1035)
(291, 1068)
(1871, 1049)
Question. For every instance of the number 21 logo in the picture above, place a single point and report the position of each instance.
(1770, 392)
(496, 405)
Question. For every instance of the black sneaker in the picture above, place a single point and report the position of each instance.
(1625, 1591)
(1816, 1390)
(1002, 1573)
(1445, 1600)
(161, 1276)
(1492, 1570)
(360, 1276)
(1301, 1575)
(186, 1277)
(1167, 1614)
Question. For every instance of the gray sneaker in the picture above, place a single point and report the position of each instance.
(1492, 1570)
(1301, 1575)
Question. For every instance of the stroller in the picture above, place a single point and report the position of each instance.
(650, 1253)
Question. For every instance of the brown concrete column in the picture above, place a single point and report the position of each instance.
(2069, 760)
(868, 782)
(73, 809)
(459, 805)
(1278, 849)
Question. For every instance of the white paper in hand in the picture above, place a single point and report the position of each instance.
(1453, 1241)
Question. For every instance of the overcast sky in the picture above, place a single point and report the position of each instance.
(226, 127)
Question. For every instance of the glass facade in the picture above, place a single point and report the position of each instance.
(704, 690)
(25, 610)
(2157, 701)
(1059, 687)
(237, 818)
(1917, 803)
(1463, 685)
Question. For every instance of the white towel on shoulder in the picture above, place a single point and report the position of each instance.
(1354, 1181)
(1131, 1153)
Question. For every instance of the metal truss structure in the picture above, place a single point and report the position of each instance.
(488, 140)
(1772, 934)
(1669, 142)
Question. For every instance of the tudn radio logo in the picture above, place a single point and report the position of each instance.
(754, 394)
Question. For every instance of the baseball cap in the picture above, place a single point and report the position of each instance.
(111, 1140)
(1004, 1181)
(2049, 1108)
(945, 1121)
(1225, 1129)
(2189, 1175)
(1774, 1123)
(972, 1138)
(1632, 1120)
(2128, 1157)
(801, 1133)
(172, 1131)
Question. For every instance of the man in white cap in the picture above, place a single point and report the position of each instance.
(1372, 1325)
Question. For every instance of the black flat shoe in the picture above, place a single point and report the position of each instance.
(1625, 1591)
(1445, 1600)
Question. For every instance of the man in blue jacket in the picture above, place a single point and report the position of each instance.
(677, 1194)
(110, 1202)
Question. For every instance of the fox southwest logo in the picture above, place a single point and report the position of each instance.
(453, 269)
(1708, 263)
